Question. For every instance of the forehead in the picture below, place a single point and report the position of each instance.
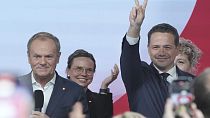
(82, 61)
(43, 45)
(159, 38)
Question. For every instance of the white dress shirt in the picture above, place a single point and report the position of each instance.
(172, 74)
(47, 90)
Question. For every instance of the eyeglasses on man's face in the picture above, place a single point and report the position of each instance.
(80, 70)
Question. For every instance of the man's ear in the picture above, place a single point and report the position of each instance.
(28, 54)
(59, 54)
(177, 50)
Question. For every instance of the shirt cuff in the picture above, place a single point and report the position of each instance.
(104, 91)
(131, 40)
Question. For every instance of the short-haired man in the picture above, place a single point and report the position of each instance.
(60, 94)
(147, 85)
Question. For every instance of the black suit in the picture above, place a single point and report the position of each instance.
(146, 93)
(65, 93)
(100, 105)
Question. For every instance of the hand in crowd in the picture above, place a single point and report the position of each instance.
(107, 81)
(37, 114)
(77, 111)
(169, 113)
(129, 114)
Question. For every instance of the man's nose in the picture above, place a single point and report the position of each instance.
(43, 60)
(161, 51)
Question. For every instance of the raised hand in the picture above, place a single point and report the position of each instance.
(136, 18)
(111, 78)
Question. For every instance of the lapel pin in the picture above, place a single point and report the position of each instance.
(64, 89)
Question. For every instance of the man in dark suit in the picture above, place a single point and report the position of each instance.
(60, 94)
(80, 69)
(147, 85)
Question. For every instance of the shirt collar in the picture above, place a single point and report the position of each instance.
(51, 81)
(172, 71)
(173, 75)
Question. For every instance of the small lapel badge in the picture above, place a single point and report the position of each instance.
(64, 89)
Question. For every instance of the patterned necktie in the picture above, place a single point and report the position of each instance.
(165, 83)
(164, 76)
(164, 86)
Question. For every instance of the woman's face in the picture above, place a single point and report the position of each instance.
(183, 63)
(82, 71)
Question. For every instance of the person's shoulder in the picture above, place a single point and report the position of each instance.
(184, 74)
(24, 78)
(68, 83)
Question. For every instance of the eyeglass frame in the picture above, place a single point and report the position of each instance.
(79, 70)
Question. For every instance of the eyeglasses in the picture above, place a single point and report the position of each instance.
(80, 70)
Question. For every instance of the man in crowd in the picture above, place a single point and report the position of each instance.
(202, 92)
(60, 94)
(147, 85)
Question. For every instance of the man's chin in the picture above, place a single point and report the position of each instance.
(161, 66)
(42, 75)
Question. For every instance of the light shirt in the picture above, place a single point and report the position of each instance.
(47, 90)
(131, 40)
(173, 75)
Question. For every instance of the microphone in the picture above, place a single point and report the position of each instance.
(39, 100)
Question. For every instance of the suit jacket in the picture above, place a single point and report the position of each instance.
(61, 100)
(100, 105)
(146, 93)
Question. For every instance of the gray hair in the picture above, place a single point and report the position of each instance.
(188, 48)
(43, 36)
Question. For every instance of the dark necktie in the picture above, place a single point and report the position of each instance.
(164, 82)
(164, 76)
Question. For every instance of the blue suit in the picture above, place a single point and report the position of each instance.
(61, 100)
(146, 93)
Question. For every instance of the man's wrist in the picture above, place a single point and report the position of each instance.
(133, 31)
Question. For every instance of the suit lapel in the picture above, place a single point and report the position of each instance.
(27, 82)
(56, 95)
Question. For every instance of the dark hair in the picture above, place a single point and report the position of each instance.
(164, 28)
(43, 36)
(80, 53)
(202, 92)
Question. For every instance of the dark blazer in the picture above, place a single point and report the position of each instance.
(145, 89)
(65, 93)
(100, 105)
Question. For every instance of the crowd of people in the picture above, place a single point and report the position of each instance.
(147, 85)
